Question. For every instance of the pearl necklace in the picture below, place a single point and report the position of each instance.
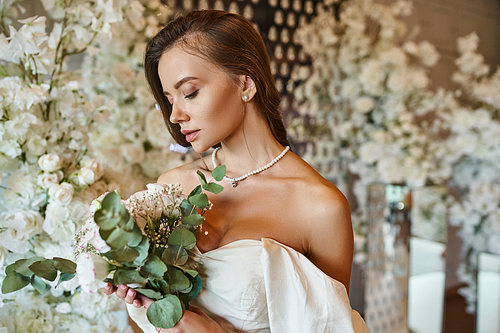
(259, 170)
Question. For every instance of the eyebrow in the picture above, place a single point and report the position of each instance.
(181, 82)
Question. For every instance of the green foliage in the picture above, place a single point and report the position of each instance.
(212, 187)
(199, 200)
(126, 275)
(175, 255)
(219, 172)
(34, 270)
(154, 267)
(166, 312)
(158, 264)
(182, 237)
(193, 219)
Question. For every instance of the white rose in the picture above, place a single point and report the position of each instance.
(62, 193)
(48, 179)
(20, 227)
(86, 176)
(55, 215)
(50, 162)
(91, 269)
(96, 167)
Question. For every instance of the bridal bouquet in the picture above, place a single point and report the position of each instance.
(144, 242)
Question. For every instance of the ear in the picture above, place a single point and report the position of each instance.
(249, 88)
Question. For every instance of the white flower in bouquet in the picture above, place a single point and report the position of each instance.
(91, 270)
(89, 234)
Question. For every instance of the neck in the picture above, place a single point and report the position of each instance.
(252, 146)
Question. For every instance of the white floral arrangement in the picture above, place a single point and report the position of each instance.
(134, 139)
(366, 99)
(48, 178)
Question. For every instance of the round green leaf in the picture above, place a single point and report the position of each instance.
(219, 172)
(199, 200)
(154, 268)
(182, 237)
(119, 238)
(175, 255)
(123, 275)
(64, 265)
(105, 220)
(193, 219)
(178, 280)
(123, 255)
(14, 281)
(45, 269)
(111, 201)
(212, 187)
(165, 313)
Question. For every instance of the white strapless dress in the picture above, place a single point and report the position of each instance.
(264, 286)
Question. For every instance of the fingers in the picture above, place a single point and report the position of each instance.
(129, 295)
(108, 289)
(121, 291)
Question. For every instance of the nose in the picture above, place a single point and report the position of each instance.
(178, 115)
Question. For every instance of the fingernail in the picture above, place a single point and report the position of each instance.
(107, 286)
(122, 286)
(136, 303)
(131, 292)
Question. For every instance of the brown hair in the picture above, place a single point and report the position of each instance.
(229, 41)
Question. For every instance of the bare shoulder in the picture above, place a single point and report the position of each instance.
(184, 174)
(328, 226)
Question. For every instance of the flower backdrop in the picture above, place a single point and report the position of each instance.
(365, 105)
(367, 97)
(133, 140)
(49, 176)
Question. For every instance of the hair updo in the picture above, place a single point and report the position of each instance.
(230, 42)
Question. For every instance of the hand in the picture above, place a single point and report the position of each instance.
(125, 293)
(193, 320)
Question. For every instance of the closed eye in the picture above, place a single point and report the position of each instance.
(192, 95)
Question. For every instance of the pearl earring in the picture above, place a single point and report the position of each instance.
(245, 98)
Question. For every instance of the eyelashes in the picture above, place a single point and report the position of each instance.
(192, 95)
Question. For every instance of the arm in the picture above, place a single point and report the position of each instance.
(330, 239)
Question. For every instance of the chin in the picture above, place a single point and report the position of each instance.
(199, 147)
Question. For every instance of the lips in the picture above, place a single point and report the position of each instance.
(190, 135)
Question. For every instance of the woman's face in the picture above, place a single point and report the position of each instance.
(206, 101)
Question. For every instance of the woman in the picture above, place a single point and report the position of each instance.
(278, 244)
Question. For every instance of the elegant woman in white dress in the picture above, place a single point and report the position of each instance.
(277, 256)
